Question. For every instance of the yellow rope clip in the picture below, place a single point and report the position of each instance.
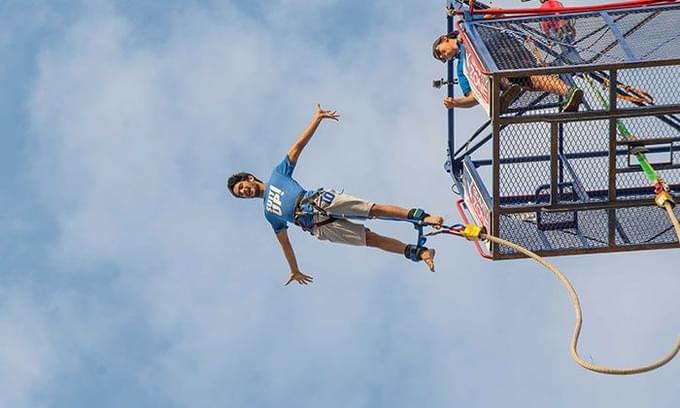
(663, 197)
(473, 232)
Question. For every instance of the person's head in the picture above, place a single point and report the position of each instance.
(244, 185)
(445, 47)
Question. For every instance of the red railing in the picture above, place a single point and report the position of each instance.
(574, 9)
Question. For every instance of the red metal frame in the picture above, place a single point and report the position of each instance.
(574, 9)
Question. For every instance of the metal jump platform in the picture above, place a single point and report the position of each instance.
(570, 182)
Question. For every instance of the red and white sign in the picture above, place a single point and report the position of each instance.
(475, 202)
(477, 206)
(474, 71)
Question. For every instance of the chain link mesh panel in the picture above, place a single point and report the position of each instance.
(584, 38)
(589, 230)
(660, 83)
(525, 162)
(581, 178)
(584, 158)
(651, 35)
(644, 226)
(660, 139)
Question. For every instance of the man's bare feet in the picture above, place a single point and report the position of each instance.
(434, 220)
(427, 256)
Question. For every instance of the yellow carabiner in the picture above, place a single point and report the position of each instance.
(473, 232)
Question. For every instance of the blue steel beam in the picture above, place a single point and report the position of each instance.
(450, 92)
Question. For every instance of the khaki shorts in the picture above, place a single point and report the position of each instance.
(342, 231)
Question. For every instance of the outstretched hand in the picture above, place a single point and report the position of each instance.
(324, 114)
(299, 277)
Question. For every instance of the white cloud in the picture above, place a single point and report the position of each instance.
(26, 351)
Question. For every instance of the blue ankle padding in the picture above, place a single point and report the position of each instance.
(416, 214)
(412, 252)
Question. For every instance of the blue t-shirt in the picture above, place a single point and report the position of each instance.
(281, 194)
(462, 79)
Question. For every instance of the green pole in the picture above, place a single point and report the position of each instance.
(623, 131)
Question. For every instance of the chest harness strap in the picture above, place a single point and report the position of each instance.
(317, 210)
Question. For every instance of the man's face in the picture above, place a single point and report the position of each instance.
(247, 189)
(447, 49)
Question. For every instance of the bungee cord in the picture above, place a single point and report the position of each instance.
(475, 233)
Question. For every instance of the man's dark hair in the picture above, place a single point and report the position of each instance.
(233, 180)
(435, 53)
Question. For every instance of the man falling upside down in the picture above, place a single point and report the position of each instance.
(324, 212)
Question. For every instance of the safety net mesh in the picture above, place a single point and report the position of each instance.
(586, 38)
(581, 178)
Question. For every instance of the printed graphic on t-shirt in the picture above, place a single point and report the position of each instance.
(327, 198)
(274, 200)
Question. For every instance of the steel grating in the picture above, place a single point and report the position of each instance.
(570, 183)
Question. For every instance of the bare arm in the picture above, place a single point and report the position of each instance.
(295, 274)
(466, 101)
(303, 139)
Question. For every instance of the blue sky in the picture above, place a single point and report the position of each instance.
(129, 278)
